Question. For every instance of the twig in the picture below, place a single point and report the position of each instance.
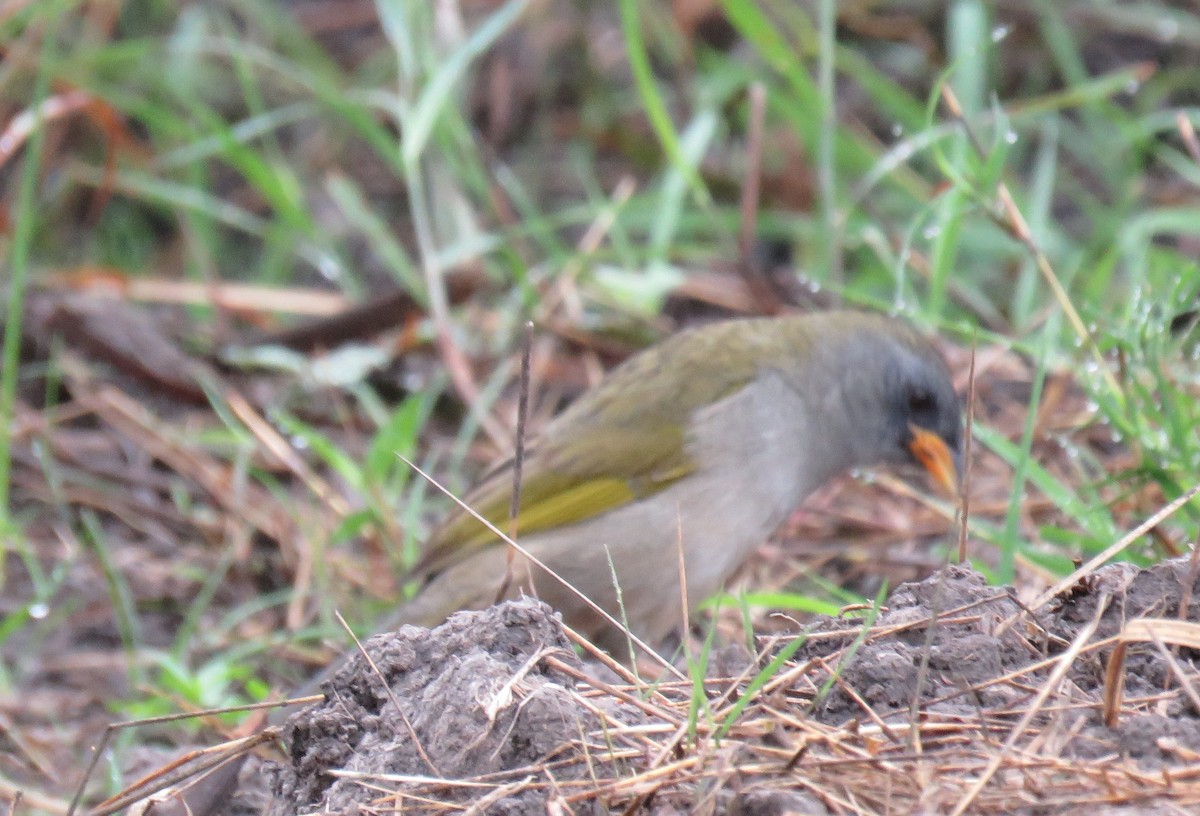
(1188, 134)
(412, 732)
(686, 627)
(965, 491)
(748, 230)
(514, 507)
(185, 767)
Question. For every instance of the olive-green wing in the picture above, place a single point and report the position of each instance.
(620, 442)
(551, 496)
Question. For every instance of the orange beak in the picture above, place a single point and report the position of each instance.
(936, 457)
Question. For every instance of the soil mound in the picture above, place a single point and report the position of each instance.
(953, 699)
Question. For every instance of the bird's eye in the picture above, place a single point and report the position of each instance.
(920, 402)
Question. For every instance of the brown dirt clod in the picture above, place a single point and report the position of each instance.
(955, 679)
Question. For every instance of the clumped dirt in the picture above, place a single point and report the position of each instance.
(495, 712)
(475, 698)
(954, 671)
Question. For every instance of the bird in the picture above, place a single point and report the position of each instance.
(683, 460)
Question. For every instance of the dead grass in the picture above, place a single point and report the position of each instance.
(776, 751)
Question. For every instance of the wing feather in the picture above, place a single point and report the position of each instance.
(634, 424)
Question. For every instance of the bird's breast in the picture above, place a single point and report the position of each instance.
(755, 467)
